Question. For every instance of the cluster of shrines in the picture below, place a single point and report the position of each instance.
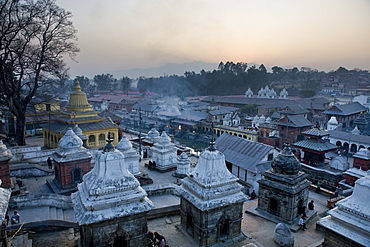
(112, 208)
(109, 196)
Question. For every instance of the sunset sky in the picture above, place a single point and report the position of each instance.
(127, 34)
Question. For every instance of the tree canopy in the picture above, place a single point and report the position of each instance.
(34, 37)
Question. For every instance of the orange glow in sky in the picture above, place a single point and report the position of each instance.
(127, 34)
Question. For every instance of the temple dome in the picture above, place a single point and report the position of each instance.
(78, 99)
(70, 140)
(286, 162)
(153, 134)
(124, 144)
(164, 138)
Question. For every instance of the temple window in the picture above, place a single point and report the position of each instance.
(77, 175)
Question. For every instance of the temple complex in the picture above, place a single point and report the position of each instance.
(348, 224)
(211, 201)
(283, 192)
(71, 161)
(110, 205)
(79, 111)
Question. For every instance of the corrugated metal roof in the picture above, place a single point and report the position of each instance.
(349, 137)
(242, 152)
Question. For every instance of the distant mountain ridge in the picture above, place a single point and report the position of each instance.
(167, 69)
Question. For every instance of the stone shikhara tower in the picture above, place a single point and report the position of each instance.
(131, 157)
(164, 153)
(283, 192)
(211, 201)
(110, 206)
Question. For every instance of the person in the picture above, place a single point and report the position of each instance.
(159, 239)
(253, 195)
(302, 223)
(311, 205)
(15, 219)
(50, 164)
(318, 188)
(7, 218)
(150, 239)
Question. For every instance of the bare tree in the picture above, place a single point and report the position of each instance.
(34, 37)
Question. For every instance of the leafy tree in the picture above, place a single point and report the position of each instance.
(105, 82)
(34, 37)
(249, 109)
(125, 84)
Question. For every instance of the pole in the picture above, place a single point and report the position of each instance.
(140, 134)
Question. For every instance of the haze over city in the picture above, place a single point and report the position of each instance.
(120, 35)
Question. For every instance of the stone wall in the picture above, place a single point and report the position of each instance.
(333, 239)
(127, 231)
(329, 179)
(214, 226)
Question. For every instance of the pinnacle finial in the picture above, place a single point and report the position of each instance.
(109, 146)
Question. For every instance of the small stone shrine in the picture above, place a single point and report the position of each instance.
(164, 153)
(283, 192)
(348, 224)
(149, 141)
(131, 156)
(110, 206)
(5, 157)
(183, 166)
(211, 201)
(71, 161)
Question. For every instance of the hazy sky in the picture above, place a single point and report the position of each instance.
(126, 34)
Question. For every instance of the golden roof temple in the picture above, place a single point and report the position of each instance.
(85, 122)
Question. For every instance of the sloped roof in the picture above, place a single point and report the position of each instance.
(295, 121)
(242, 152)
(192, 116)
(62, 127)
(223, 110)
(349, 137)
(315, 145)
(345, 110)
(295, 109)
(316, 132)
(111, 98)
(109, 114)
(145, 107)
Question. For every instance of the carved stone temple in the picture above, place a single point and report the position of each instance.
(164, 153)
(283, 192)
(348, 224)
(212, 202)
(110, 206)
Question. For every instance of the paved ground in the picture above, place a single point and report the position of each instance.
(258, 230)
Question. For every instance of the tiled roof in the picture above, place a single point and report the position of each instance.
(315, 145)
(316, 132)
(223, 110)
(345, 110)
(242, 152)
(193, 116)
(296, 121)
(59, 127)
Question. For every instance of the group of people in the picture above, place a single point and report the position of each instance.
(152, 165)
(15, 219)
(156, 240)
(301, 221)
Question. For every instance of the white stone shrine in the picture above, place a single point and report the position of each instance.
(348, 224)
(130, 154)
(183, 165)
(110, 205)
(164, 153)
(212, 201)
